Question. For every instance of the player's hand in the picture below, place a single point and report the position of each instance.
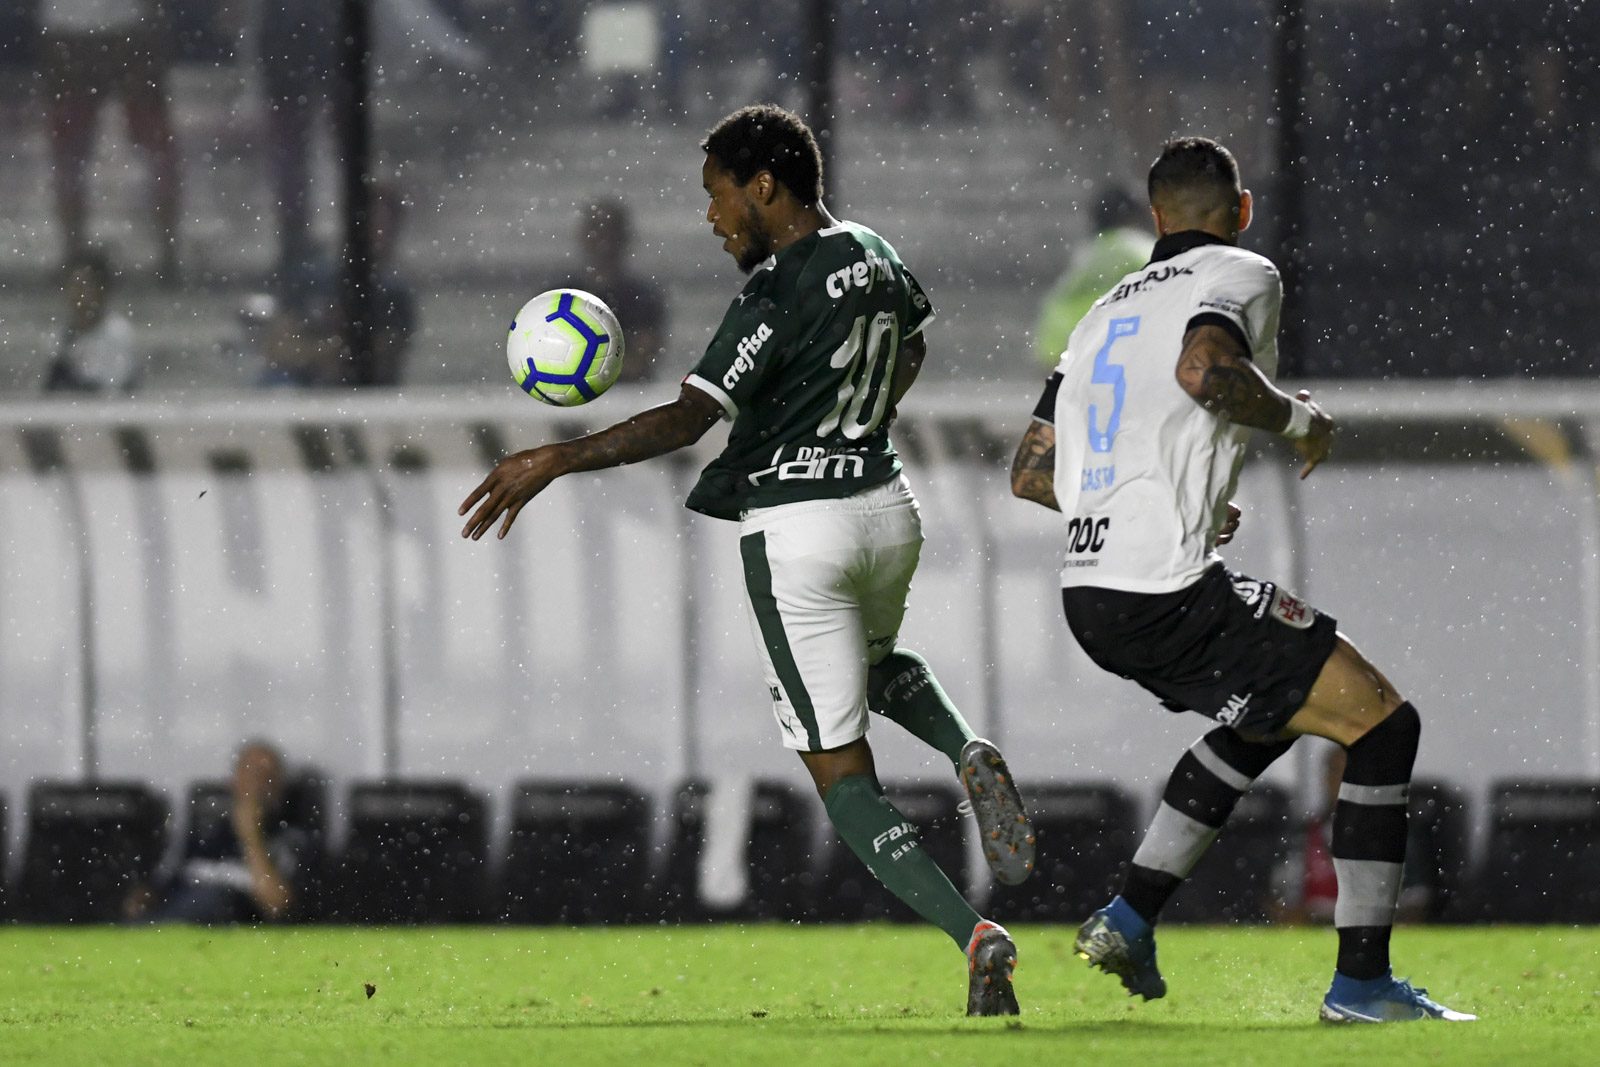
(1231, 526)
(1315, 445)
(514, 481)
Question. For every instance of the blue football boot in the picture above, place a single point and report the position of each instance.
(1119, 942)
(1382, 1000)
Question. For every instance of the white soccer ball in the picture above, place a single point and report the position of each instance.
(565, 347)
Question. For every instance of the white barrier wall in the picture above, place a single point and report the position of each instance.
(176, 578)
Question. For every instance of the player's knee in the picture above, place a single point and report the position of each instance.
(1402, 726)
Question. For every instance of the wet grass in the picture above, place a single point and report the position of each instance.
(763, 995)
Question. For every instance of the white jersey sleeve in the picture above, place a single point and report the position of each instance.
(1245, 293)
(1142, 471)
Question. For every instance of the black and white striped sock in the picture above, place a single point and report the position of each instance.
(1205, 785)
(1369, 841)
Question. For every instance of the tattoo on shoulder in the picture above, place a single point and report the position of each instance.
(1218, 373)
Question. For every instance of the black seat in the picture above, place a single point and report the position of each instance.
(1543, 859)
(676, 888)
(1438, 845)
(851, 892)
(417, 852)
(782, 869)
(780, 881)
(577, 854)
(1085, 835)
(7, 904)
(1233, 880)
(87, 846)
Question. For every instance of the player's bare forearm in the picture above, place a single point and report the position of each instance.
(1219, 374)
(1033, 469)
(519, 478)
(649, 434)
(908, 364)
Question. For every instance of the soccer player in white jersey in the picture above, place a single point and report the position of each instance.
(809, 363)
(1138, 441)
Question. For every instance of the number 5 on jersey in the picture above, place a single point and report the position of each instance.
(1109, 373)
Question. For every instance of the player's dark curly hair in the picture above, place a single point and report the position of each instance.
(1194, 168)
(768, 137)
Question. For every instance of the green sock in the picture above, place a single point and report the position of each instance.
(902, 688)
(889, 846)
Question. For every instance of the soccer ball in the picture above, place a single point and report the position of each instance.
(565, 347)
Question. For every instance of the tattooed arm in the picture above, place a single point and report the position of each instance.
(519, 478)
(1033, 471)
(1216, 370)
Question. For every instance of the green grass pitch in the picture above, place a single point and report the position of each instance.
(764, 995)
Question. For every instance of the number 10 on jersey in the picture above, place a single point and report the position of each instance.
(1109, 373)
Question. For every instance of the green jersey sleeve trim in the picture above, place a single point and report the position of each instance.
(730, 410)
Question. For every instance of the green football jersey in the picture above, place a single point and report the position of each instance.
(802, 364)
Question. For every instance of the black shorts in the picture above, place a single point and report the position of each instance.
(1239, 651)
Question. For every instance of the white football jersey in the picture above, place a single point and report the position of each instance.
(1143, 473)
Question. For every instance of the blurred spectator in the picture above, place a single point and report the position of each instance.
(1305, 886)
(299, 328)
(246, 868)
(1121, 243)
(99, 349)
(408, 33)
(922, 48)
(89, 52)
(294, 332)
(395, 305)
(1089, 71)
(296, 45)
(604, 236)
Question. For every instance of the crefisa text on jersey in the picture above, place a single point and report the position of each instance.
(747, 347)
(859, 275)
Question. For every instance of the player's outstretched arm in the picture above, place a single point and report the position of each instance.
(1033, 469)
(1217, 372)
(519, 478)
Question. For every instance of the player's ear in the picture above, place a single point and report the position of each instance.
(765, 187)
(1160, 220)
(1244, 210)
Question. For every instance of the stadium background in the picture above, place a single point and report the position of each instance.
(207, 561)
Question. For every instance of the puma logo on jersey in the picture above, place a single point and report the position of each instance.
(747, 349)
(1234, 709)
(1154, 277)
(859, 275)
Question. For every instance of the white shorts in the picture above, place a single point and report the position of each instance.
(827, 581)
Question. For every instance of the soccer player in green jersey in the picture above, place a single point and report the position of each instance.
(809, 364)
